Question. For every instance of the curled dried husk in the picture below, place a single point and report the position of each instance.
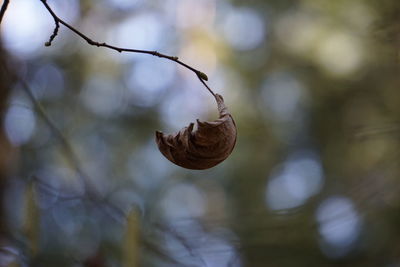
(206, 146)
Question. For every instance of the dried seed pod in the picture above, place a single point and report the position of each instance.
(204, 147)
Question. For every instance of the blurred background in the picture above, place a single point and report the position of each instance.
(313, 180)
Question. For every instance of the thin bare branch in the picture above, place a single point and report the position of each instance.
(201, 75)
(204, 83)
(3, 9)
(67, 147)
(54, 34)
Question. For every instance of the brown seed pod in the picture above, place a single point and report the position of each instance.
(204, 147)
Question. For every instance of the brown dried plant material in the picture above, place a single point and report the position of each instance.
(204, 147)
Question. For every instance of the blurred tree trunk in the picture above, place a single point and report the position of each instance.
(5, 147)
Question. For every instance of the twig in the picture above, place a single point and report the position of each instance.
(3, 9)
(201, 75)
(204, 83)
(54, 34)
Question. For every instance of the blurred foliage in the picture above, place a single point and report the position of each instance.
(314, 178)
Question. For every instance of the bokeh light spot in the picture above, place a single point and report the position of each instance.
(303, 174)
(283, 96)
(340, 54)
(103, 96)
(299, 178)
(125, 4)
(147, 78)
(339, 225)
(195, 13)
(183, 106)
(141, 31)
(299, 31)
(243, 28)
(48, 82)
(147, 167)
(19, 124)
(25, 28)
(27, 25)
(200, 54)
(183, 201)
